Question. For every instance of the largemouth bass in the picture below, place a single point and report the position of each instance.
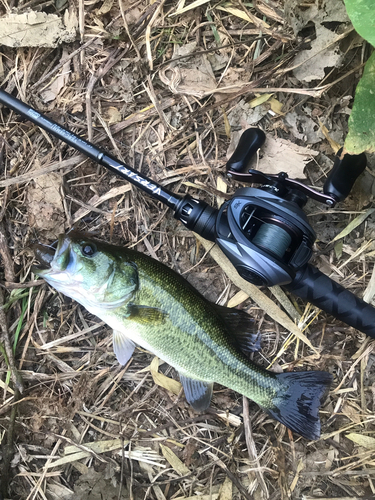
(148, 304)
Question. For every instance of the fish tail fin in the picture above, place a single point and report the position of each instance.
(297, 404)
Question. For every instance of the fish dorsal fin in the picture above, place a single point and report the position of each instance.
(122, 347)
(197, 393)
(241, 326)
(145, 314)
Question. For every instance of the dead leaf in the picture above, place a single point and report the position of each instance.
(352, 413)
(276, 106)
(260, 99)
(174, 461)
(244, 115)
(98, 485)
(53, 90)
(45, 207)
(168, 383)
(231, 81)
(323, 54)
(226, 489)
(190, 75)
(57, 491)
(222, 186)
(299, 14)
(37, 29)
(278, 155)
(303, 127)
(105, 8)
(365, 441)
(113, 115)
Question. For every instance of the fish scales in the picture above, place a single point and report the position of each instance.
(150, 305)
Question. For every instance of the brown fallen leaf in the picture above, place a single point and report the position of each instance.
(190, 75)
(52, 91)
(160, 379)
(278, 155)
(45, 206)
(37, 29)
(174, 461)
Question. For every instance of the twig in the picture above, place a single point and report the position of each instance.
(70, 163)
(61, 64)
(8, 448)
(17, 380)
(112, 59)
(5, 255)
(251, 446)
(231, 476)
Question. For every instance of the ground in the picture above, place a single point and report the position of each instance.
(168, 87)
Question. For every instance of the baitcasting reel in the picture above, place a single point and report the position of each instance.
(263, 231)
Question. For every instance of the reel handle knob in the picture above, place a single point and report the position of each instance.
(250, 141)
(343, 175)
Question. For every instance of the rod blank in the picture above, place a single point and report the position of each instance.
(100, 156)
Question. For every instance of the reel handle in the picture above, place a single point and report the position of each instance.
(250, 141)
(344, 173)
(312, 285)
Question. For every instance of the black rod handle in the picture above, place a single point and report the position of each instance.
(100, 156)
(312, 285)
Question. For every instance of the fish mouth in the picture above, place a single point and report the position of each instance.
(51, 258)
(44, 254)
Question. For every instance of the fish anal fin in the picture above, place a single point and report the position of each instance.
(145, 314)
(241, 326)
(122, 347)
(198, 394)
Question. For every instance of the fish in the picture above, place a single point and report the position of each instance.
(150, 305)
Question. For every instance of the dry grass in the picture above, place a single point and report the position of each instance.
(85, 427)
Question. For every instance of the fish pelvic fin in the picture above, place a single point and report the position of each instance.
(297, 406)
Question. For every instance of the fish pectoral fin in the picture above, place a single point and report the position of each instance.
(122, 347)
(145, 314)
(197, 393)
(241, 326)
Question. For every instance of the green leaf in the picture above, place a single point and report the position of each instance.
(362, 15)
(361, 136)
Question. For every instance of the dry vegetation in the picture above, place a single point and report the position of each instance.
(167, 87)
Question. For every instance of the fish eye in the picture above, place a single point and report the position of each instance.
(88, 249)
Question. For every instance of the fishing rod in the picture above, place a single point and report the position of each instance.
(263, 231)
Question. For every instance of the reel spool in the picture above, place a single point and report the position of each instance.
(266, 237)
(273, 239)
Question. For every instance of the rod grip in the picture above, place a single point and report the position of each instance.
(312, 285)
